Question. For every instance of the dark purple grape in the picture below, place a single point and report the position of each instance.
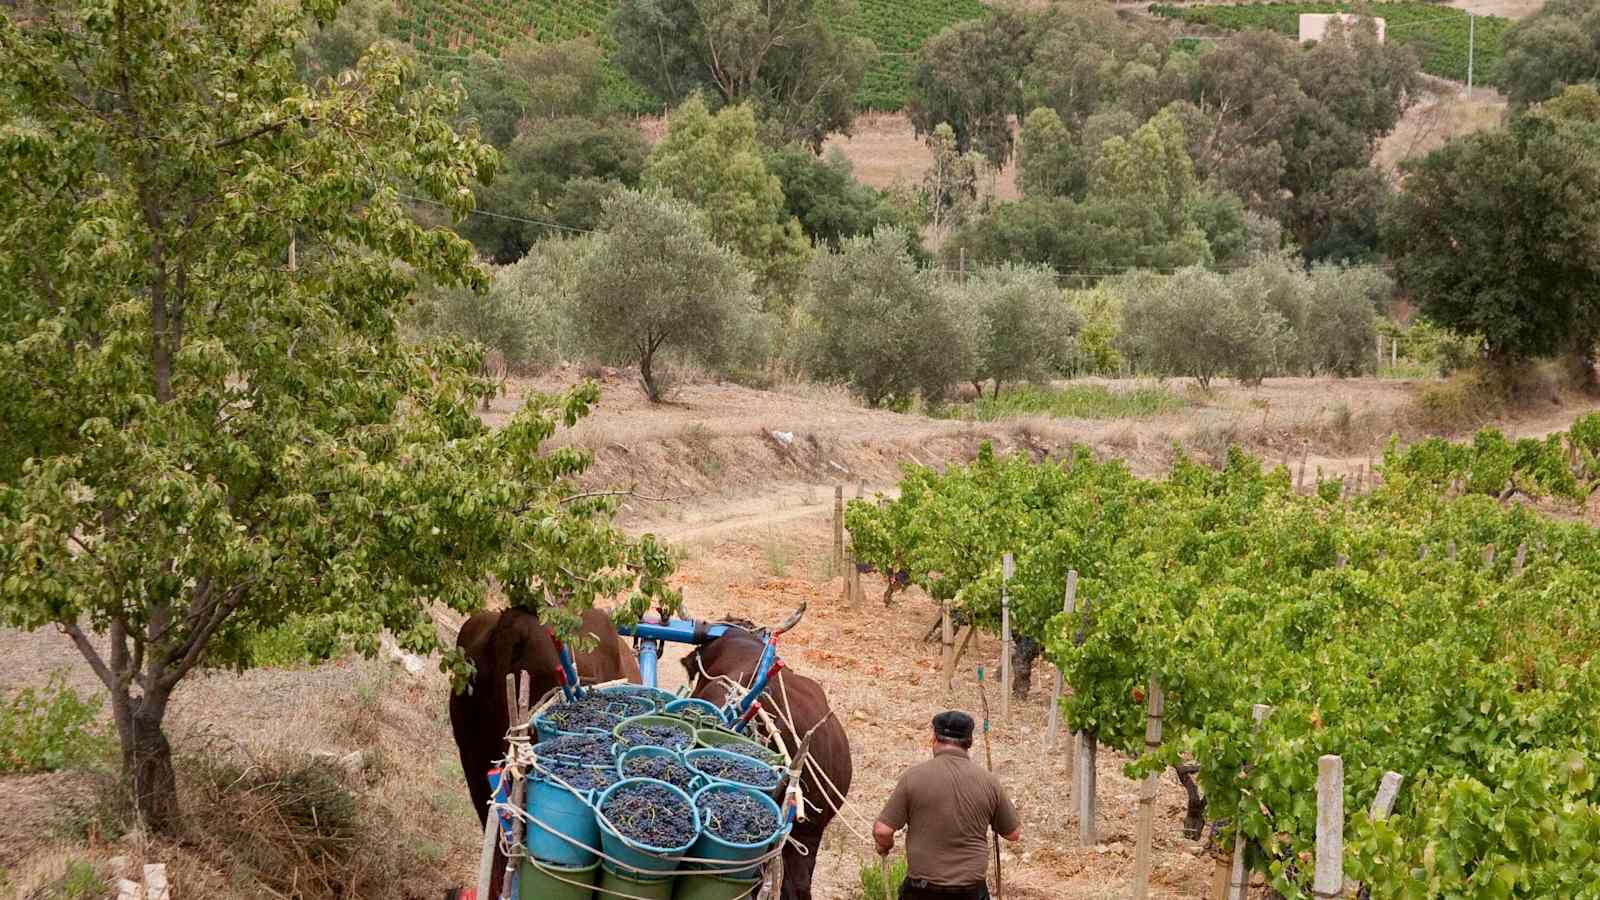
(583, 749)
(583, 778)
(660, 767)
(736, 769)
(650, 814)
(642, 734)
(737, 817)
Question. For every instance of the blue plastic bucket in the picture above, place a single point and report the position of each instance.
(694, 709)
(657, 697)
(636, 859)
(566, 813)
(694, 758)
(709, 846)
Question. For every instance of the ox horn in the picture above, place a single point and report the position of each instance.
(792, 621)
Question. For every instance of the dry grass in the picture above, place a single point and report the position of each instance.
(1436, 119)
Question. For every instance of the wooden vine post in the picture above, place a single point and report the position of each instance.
(1522, 557)
(838, 528)
(1237, 881)
(1143, 849)
(518, 686)
(1055, 694)
(1328, 884)
(1082, 758)
(1007, 567)
(948, 640)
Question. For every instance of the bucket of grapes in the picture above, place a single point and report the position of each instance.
(646, 826)
(737, 824)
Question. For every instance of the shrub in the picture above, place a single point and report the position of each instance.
(872, 886)
(44, 730)
(1080, 401)
(1341, 323)
(879, 323)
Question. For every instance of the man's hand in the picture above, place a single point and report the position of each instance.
(1014, 836)
(883, 836)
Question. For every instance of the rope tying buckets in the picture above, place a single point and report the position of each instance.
(561, 788)
(712, 846)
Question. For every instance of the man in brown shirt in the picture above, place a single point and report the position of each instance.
(949, 804)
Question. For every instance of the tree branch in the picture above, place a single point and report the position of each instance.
(627, 493)
(89, 653)
(249, 135)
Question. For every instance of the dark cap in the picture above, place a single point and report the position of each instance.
(953, 725)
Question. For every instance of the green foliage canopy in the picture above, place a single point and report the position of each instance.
(206, 434)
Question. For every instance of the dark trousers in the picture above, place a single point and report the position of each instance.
(916, 889)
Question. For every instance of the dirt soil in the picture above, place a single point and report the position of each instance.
(748, 478)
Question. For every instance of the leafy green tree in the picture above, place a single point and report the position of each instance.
(654, 280)
(1557, 46)
(950, 185)
(332, 47)
(531, 80)
(881, 325)
(796, 61)
(1490, 235)
(1022, 326)
(1342, 321)
(552, 179)
(716, 163)
(1049, 160)
(207, 434)
(823, 195)
(969, 77)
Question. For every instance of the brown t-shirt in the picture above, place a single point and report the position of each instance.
(950, 803)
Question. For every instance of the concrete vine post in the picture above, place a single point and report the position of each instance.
(1143, 849)
(838, 528)
(1328, 882)
(1007, 567)
(1055, 694)
(947, 638)
(1237, 882)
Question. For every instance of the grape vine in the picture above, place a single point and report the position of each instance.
(1467, 673)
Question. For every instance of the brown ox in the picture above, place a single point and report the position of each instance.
(736, 655)
(500, 642)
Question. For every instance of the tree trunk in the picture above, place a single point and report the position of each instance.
(1024, 651)
(1194, 819)
(652, 391)
(147, 762)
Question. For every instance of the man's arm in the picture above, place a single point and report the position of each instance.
(896, 814)
(1006, 822)
(883, 836)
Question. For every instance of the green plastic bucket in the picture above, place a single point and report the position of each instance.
(709, 846)
(543, 881)
(714, 887)
(723, 739)
(634, 885)
(685, 731)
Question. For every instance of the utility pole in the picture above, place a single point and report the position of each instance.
(1472, 41)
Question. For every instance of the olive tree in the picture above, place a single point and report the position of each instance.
(1022, 327)
(1195, 323)
(881, 325)
(211, 422)
(654, 280)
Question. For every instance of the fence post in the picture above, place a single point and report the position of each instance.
(838, 528)
(1300, 480)
(1522, 557)
(1007, 566)
(1452, 551)
(1055, 695)
(1328, 883)
(1380, 351)
(1236, 880)
(1147, 795)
